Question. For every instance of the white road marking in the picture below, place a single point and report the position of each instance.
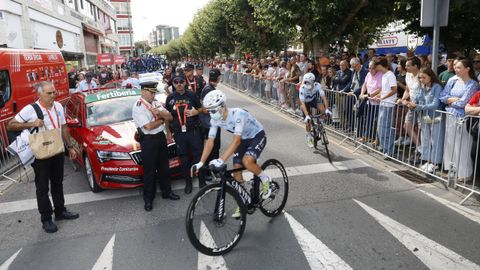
(462, 210)
(10, 260)
(86, 197)
(318, 255)
(431, 253)
(209, 262)
(105, 261)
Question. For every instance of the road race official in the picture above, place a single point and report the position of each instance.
(184, 106)
(149, 117)
(49, 171)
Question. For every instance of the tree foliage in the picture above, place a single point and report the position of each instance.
(258, 26)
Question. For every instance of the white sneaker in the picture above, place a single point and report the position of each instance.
(399, 141)
(309, 140)
(431, 168)
(424, 166)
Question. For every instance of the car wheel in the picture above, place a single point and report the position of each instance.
(92, 183)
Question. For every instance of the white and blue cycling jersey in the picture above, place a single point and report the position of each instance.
(309, 95)
(239, 122)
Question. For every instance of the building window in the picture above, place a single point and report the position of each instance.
(124, 40)
(123, 24)
(81, 4)
(5, 90)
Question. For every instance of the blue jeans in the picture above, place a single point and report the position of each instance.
(432, 141)
(385, 131)
(371, 116)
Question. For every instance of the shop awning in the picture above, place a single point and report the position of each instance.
(69, 56)
(92, 30)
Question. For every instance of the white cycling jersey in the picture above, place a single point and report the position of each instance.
(239, 122)
(308, 95)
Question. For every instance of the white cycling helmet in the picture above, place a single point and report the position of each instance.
(214, 99)
(309, 77)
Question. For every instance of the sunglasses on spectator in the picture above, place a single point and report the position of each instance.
(51, 93)
(178, 81)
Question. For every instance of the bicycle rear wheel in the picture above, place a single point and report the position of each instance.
(274, 205)
(207, 233)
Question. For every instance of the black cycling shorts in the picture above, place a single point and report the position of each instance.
(313, 104)
(251, 147)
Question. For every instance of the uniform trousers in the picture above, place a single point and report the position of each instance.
(155, 165)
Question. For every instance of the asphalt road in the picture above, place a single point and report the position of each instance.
(355, 214)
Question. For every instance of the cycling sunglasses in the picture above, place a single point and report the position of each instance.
(213, 111)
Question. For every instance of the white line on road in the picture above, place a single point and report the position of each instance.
(462, 210)
(8, 262)
(85, 197)
(432, 254)
(209, 262)
(105, 261)
(318, 255)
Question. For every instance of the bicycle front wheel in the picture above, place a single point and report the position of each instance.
(324, 138)
(274, 205)
(207, 232)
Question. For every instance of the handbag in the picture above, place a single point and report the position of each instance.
(20, 147)
(48, 143)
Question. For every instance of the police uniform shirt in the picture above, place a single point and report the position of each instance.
(196, 85)
(57, 114)
(142, 116)
(177, 105)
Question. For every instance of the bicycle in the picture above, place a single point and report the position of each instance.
(210, 226)
(319, 134)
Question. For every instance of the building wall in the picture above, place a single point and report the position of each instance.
(59, 25)
(124, 25)
(162, 34)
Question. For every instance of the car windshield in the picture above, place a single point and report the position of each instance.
(110, 111)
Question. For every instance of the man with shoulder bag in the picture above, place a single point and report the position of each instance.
(48, 164)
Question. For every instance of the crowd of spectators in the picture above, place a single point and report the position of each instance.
(399, 100)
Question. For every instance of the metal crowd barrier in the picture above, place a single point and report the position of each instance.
(438, 144)
(8, 163)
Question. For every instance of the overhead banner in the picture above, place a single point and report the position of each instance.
(119, 59)
(104, 59)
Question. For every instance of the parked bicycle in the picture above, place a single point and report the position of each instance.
(319, 134)
(210, 226)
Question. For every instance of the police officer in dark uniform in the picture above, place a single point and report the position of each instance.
(194, 83)
(149, 116)
(185, 106)
(213, 80)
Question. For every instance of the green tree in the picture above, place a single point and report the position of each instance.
(459, 35)
(143, 45)
(321, 22)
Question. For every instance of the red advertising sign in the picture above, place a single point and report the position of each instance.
(118, 59)
(104, 59)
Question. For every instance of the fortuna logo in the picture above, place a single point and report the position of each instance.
(243, 193)
(114, 94)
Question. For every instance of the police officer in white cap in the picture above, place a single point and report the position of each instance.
(149, 117)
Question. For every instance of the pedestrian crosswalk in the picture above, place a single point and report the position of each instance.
(316, 252)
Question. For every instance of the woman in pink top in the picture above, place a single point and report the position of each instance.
(370, 88)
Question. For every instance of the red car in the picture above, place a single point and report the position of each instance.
(103, 132)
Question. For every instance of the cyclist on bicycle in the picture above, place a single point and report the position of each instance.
(249, 139)
(311, 96)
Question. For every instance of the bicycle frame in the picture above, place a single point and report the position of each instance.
(247, 199)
